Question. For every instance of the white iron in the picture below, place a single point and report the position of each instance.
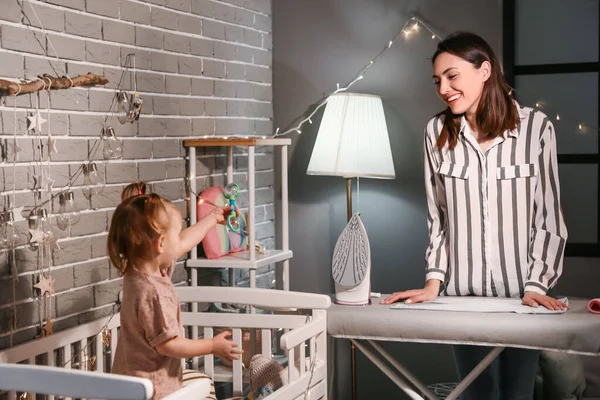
(351, 265)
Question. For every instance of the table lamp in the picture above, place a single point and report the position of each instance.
(352, 142)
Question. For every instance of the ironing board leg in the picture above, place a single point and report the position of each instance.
(405, 372)
(402, 384)
(483, 364)
(389, 372)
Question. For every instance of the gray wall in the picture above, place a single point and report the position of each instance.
(318, 43)
(204, 68)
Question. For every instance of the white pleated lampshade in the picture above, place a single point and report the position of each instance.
(353, 139)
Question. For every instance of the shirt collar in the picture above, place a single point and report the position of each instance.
(513, 133)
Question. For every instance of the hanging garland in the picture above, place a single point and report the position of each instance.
(49, 82)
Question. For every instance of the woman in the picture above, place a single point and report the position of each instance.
(494, 217)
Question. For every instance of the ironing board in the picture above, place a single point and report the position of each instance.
(575, 331)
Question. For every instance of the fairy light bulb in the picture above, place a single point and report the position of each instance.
(42, 224)
(93, 183)
(68, 214)
(10, 235)
(112, 146)
(123, 107)
(557, 117)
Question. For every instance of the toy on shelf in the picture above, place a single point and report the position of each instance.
(231, 191)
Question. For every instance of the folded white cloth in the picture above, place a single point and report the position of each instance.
(478, 304)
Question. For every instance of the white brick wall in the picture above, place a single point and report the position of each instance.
(204, 67)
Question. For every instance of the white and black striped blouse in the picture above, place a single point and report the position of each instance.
(495, 223)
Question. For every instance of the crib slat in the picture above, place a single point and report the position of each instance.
(99, 353)
(302, 358)
(31, 361)
(113, 345)
(83, 356)
(237, 365)
(266, 342)
(209, 359)
(50, 362)
(67, 360)
(291, 363)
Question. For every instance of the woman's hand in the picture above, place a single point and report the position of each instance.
(429, 292)
(534, 299)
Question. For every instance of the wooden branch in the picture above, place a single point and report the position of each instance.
(42, 83)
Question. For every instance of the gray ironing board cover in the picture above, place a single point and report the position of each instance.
(575, 331)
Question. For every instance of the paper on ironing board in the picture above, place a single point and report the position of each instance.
(478, 304)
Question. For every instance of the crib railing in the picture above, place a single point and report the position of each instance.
(305, 338)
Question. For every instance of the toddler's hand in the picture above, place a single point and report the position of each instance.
(220, 214)
(224, 348)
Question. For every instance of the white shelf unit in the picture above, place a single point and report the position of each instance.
(250, 260)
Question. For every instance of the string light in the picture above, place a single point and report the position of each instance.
(411, 25)
(581, 126)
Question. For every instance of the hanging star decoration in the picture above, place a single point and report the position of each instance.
(106, 336)
(51, 145)
(45, 285)
(47, 328)
(37, 181)
(47, 182)
(53, 242)
(35, 122)
(37, 236)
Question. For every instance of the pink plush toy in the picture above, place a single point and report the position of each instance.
(220, 241)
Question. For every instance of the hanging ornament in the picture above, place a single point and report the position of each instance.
(112, 146)
(53, 243)
(68, 214)
(10, 235)
(45, 285)
(106, 336)
(26, 396)
(122, 107)
(47, 182)
(35, 122)
(93, 183)
(47, 328)
(37, 181)
(41, 232)
(87, 363)
(51, 145)
(129, 108)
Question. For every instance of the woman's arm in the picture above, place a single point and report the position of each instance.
(436, 256)
(549, 233)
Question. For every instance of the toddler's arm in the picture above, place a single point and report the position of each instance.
(190, 237)
(219, 346)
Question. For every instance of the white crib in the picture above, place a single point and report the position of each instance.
(303, 329)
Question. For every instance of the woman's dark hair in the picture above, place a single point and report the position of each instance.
(496, 111)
